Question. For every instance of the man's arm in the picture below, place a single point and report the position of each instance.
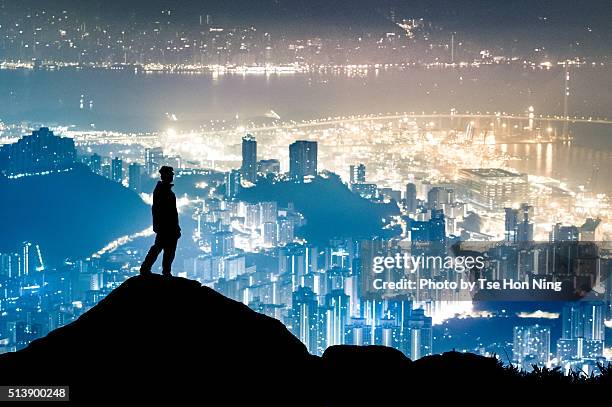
(155, 209)
(176, 218)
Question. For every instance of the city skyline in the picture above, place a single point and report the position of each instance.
(429, 177)
(186, 35)
(341, 318)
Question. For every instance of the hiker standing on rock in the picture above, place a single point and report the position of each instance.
(165, 224)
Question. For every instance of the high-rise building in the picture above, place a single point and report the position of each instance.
(524, 229)
(564, 233)
(437, 226)
(339, 253)
(493, 188)
(286, 231)
(583, 331)
(357, 173)
(135, 177)
(268, 212)
(249, 158)
(511, 220)
(253, 216)
(433, 230)
(106, 171)
(222, 243)
(232, 183)
(10, 265)
(41, 151)
(303, 159)
(307, 320)
(531, 346)
(269, 234)
(518, 226)
(411, 198)
(418, 341)
(117, 170)
(233, 266)
(337, 303)
(31, 259)
(358, 332)
(153, 159)
(296, 260)
(439, 197)
(388, 333)
(95, 163)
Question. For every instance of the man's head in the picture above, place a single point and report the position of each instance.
(166, 173)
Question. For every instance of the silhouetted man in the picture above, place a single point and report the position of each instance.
(165, 224)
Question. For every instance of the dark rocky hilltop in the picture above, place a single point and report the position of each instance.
(171, 339)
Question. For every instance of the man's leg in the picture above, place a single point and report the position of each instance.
(169, 252)
(149, 260)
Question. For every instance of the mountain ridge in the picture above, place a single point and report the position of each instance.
(168, 338)
(87, 209)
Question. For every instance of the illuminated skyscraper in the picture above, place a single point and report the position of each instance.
(419, 339)
(337, 303)
(335, 279)
(153, 159)
(249, 158)
(411, 198)
(222, 243)
(387, 333)
(303, 159)
(135, 177)
(357, 173)
(10, 265)
(524, 229)
(511, 220)
(286, 231)
(233, 266)
(518, 226)
(117, 170)
(268, 212)
(296, 260)
(25, 258)
(106, 171)
(269, 234)
(232, 183)
(95, 163)
(358, 332)
(531, 346)
(583, 333)
(307, 322)
(253, 216)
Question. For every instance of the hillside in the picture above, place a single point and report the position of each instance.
(83, 208)
(330, 208)
(156, 338)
